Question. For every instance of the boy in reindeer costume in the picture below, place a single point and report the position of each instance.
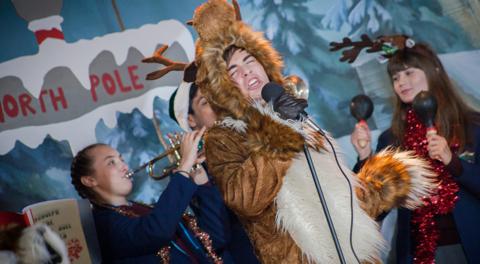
(257, 160)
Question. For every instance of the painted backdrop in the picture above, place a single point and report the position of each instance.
(70, 74)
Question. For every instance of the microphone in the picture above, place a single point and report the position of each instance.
(271, 91)
(425, 106)
(361, 107)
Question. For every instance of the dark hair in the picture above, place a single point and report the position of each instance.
(452, 114)
(82, 165)
(228, 53)
(191, 95)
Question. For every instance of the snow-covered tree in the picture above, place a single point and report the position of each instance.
(423, 20)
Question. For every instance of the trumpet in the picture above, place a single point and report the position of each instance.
(172, 153)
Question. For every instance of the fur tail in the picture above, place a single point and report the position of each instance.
(39, 244)
(394, 178)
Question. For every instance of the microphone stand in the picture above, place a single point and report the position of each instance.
(323, 201)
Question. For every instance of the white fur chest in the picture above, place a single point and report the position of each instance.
(301, 214)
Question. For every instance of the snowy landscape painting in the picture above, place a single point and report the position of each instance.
(93, 40)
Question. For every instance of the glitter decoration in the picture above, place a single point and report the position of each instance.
(164, 254)
(424, 227)
(203, 236)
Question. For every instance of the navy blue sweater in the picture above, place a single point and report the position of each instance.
(136, 240)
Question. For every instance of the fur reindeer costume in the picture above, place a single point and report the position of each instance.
(258, 163)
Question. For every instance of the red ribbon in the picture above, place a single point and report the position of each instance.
(42, 35)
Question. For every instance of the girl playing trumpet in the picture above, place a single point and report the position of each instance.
(129, 232)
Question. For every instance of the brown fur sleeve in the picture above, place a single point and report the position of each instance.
(249, 181)
(270, 138)
(393, 178)
(384, 183)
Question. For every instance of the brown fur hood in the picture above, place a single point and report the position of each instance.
(218, 28)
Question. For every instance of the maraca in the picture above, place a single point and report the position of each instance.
(425, 106)
(361, 107)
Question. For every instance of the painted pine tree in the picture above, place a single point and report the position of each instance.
(423, 20)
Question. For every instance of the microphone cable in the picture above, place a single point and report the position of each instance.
(350, 189)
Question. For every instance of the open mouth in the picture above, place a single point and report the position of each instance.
(253, 83)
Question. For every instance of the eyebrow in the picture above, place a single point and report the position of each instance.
(111, 156)
(231, 67)
(108, 157)
(247, 57)
(244, 60)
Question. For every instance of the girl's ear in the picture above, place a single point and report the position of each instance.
(88, 181)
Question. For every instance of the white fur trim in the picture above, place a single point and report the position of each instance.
(267, 110)
(57, 244)
(422, 179)
(180, 105)
(301, 214)
(46, 23)
(234, 124)
(32, 245)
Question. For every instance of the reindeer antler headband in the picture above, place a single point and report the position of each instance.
(177, 66)
(386, 44)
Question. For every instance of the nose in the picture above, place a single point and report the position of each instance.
(124, 167)
(402, 79)
(244, 71)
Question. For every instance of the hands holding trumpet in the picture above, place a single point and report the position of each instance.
(185, 156)
(191, 157)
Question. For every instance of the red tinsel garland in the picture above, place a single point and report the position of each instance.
(425, 230)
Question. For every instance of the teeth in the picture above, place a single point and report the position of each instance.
(252, 82)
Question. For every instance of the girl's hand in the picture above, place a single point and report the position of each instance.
(199, 176)
(189, 150)
(361, 133)
(438, 149)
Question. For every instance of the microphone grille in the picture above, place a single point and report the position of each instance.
(271, 91)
